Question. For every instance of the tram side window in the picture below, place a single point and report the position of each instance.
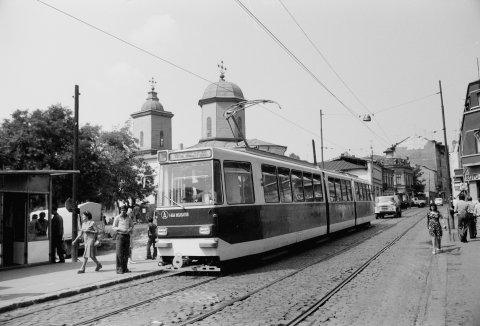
(238, 182)
(285, 185)
(364, 192)
(357, 190)
(308, 186)
(331, 190)
(338, 190)
(317, 187)
(369, 192)
(270, 185)
(349, 189)
(344, 190)
(297, 186)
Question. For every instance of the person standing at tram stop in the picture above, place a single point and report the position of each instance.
(460, 210)
(472, 225)
(57, 235)
(42, 225)
(152, 238)
(435, 223)
(89, 233)
(123, 226)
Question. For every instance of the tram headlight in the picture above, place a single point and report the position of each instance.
(162, 230)
(204, 230)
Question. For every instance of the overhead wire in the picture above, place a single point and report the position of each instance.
(304, 67)
(166, 61)
(331, 67)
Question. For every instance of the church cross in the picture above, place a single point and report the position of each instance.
(152, 83)
(222, 70)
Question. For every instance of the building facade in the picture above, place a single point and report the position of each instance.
(469, 142)
(431, 157)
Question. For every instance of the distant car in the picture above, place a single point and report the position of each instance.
(438, 201)
(387, 205)
(419, 202)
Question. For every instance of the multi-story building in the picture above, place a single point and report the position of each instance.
(431, 157)
(469, 142)
(402, 173)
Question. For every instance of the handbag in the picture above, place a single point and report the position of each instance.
(97, 243)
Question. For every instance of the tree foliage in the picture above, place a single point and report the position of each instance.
(418, 185)
(109, 169)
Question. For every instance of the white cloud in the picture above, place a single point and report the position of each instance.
(157, 29)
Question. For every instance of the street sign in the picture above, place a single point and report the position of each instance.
(472, 177)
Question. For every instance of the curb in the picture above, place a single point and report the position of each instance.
(69, 293)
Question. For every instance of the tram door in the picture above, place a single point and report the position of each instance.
(13, 228)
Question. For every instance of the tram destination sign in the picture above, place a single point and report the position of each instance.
(472, 177)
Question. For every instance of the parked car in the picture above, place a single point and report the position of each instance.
(438, 201)
(419, 202)
(387, 205)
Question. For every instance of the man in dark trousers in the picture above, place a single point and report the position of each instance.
(122, 225)
(57, 235)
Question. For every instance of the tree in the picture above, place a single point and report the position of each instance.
(418, 185)
(108, 166)
(293, 155)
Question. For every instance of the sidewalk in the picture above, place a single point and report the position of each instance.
(25, 286)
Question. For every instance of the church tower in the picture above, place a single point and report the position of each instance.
(214, 102)
(152, 125)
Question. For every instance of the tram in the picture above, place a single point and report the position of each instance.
(216, 205)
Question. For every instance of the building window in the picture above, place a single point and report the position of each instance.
(471, 142)
(209, 127)
(162, 141)
(398, 179)
(141, 138)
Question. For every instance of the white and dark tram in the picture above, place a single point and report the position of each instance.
(216, 205)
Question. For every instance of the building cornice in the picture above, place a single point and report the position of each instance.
(165, 114)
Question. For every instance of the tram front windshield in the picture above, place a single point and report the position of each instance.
(190, 183)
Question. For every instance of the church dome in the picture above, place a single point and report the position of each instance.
(222, 90)
(152, 102)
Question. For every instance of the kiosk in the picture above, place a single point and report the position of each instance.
(25, 216)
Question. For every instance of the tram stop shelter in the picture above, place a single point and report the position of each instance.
(23, 194)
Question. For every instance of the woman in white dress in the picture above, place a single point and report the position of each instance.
(89, 233)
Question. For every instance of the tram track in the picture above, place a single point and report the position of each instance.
(324, 299)
(382, 226)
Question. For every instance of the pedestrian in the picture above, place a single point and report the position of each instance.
(461, 212)
(476, 214)
(123, 226)
(472, 226)
(42, 225)
(435, 223)
(89, 232)
(130, 249)
(57, 235)
(152, 238)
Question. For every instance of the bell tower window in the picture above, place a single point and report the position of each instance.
(141, 138)
(162, 141)
(209, 127)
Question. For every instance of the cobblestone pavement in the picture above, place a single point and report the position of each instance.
(271, 306)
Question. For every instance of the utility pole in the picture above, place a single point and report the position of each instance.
(74, 183)
(321, 138)
(371, 159)
(447, 155)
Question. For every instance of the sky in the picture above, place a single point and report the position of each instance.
(379, 57)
